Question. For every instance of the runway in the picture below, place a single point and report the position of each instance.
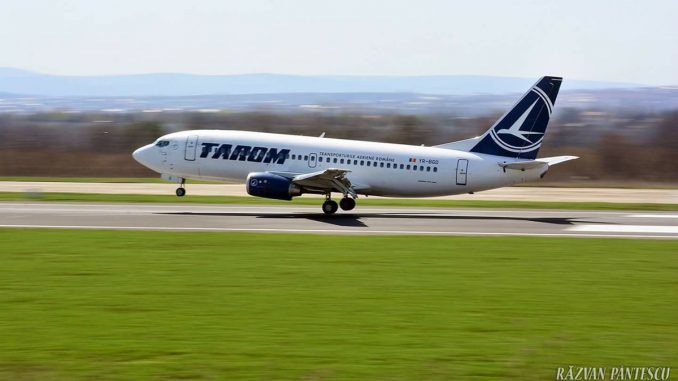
(368, 220)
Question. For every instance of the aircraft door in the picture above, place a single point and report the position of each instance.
(312, 160)
(191, 143)
(462, 169)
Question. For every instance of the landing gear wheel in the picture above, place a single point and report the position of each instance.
(180, 192)
(330, 207)
(347, 203)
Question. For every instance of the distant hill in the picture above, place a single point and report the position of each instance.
(647, 99)
(19, 81)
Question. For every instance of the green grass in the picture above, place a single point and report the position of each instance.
(97, 179)
(90, 197)
(105, 305)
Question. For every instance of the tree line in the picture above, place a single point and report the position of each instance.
(621, 147)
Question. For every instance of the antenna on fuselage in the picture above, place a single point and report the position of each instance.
(322, 135)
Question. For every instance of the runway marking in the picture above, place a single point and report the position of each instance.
(330, 231)
(625, 228)
(654, 215)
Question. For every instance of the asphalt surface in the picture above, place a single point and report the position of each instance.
(362, 220)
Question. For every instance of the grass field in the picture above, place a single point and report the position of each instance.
(90, 197)
(112, 305)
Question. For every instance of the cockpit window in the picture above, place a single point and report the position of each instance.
(162, 143)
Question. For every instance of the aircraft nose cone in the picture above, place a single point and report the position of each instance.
(141, 155)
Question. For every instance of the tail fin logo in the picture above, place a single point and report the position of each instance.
(521, 135)
(515, 128)
(519, 132)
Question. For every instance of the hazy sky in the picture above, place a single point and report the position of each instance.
(634, 41)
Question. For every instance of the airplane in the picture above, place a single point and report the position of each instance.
(282, 167)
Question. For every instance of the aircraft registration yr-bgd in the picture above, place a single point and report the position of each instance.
(285, 166)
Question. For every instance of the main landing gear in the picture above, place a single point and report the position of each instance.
(330, 206)
(347, 203)
(181, 191)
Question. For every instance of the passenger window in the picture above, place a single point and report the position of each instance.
(362, 162)
(428, 169)
(388, 165)
(415, 167)
(294, 157)
(327, 160)
(306, 157)
(402, 166)
(421, 168)
(341, 161)
(435, 169)
(335, 160)
(408, 167)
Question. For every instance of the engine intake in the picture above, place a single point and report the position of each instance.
(268, 185)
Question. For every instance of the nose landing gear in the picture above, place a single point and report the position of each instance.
(181, 191)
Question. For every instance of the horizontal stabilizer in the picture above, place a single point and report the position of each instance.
(557, 159)
(523, 165)
(530, 164)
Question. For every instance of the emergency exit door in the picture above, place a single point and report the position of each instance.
(312, 160)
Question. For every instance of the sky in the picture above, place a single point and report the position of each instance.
(629, 41)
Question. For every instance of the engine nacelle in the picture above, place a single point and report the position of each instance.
(268, 185)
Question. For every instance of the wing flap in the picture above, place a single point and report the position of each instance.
(331, 179)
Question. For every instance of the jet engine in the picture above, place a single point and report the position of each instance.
(268, 185)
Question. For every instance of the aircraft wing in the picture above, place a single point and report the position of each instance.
(331, 179)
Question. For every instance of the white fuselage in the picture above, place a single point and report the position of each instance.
(380, 169)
